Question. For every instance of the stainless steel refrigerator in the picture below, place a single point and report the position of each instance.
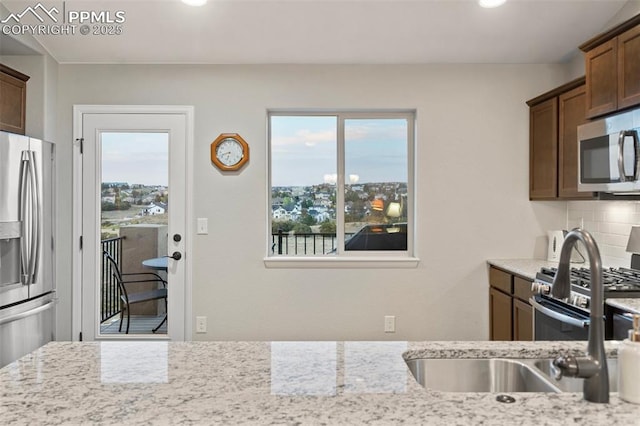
(27, 289)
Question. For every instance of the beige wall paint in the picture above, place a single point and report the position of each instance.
(472, 201)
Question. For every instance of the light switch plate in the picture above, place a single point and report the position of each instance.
(203, 226)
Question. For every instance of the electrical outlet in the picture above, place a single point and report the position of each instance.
(201, 324)
(389, 324)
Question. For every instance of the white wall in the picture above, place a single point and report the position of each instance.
(472, 201)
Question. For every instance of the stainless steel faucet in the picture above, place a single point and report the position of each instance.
(593, 367)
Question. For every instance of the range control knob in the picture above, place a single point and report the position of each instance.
(539, 287)
(583, 302)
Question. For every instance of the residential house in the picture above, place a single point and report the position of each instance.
(154, 209)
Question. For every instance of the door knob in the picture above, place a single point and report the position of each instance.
(176, 255)
(177, 237)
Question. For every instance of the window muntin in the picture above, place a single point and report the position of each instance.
(340, 184)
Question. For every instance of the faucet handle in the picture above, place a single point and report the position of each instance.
(556, 373)
(581, 366)
(566, 365)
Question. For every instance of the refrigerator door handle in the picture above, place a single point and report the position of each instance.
(36, 218)
(28, 313)
(22, 217)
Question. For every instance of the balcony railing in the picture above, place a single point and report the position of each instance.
(110, 300)
(293, 244)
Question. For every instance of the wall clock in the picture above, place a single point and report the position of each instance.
(229, 152)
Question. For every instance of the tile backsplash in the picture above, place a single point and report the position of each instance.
(610, 224)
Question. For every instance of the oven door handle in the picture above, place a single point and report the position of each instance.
(557, 315)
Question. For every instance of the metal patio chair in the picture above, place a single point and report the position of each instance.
(127, 282)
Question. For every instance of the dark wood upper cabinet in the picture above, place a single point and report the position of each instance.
(543, 150)
(572, 113)
(629, 68)
(554, 118)
(612, 66)
(13, 100)
(601, 74)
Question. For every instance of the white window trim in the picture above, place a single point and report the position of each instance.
(360, 259)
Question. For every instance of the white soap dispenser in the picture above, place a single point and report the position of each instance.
(629, 365)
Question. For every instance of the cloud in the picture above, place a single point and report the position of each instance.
(375, 131)
(305, 137)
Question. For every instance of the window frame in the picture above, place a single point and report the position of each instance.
(342, 258)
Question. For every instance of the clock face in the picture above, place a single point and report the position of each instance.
(229, 152)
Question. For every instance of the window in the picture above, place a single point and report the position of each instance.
(341, 184)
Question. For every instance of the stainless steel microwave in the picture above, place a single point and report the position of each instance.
(609, 154)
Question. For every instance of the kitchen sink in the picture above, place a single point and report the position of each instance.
(480, 375)
(498, 375)
(574, 384)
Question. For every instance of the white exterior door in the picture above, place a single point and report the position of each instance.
(104, 133)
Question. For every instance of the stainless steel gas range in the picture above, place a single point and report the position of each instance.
(568, 319)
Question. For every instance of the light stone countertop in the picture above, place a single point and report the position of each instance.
(333, 383)
(526, 268)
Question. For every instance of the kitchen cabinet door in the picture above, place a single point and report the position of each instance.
(13, 95)
(500, 311)
(601, 64)
(522, 320)
(543, 150)
(572, 113)
(629, 68)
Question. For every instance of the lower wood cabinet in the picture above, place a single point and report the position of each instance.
(500, 314)
(522, 320)
(510, 314)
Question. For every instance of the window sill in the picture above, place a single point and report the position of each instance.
(343, 262)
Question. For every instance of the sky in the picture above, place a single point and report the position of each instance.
(135, 158)
(303, 150)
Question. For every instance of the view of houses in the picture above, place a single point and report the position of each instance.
(125, 204)
(313, 208)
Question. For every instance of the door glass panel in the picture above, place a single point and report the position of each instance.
(376, 173)
(134, 209)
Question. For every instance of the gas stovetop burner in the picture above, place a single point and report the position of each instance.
(615, 280)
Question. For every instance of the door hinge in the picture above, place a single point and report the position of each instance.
(81, 242)
(81, 142)
(80, 336)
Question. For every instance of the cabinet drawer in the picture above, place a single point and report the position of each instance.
(522, 289)
(501, 280)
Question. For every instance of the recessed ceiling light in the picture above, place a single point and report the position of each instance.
(491, 3)
(194, 2)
